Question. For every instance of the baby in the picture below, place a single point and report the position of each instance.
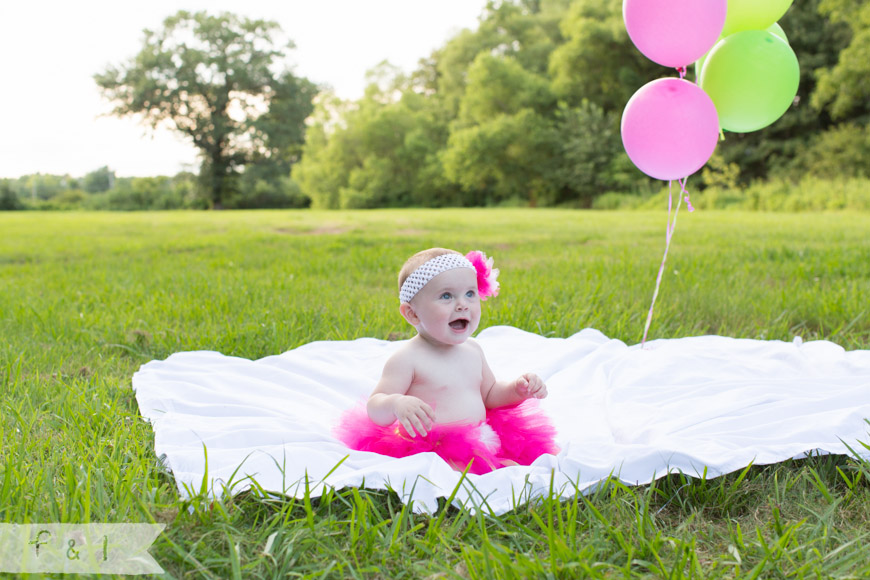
(438, 386)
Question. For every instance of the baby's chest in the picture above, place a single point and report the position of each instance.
(452, 376)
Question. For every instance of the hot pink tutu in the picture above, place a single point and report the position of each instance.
(513, 435)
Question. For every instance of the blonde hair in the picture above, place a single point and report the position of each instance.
(418, 260)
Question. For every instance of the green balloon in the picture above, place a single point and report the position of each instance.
(774, 28)
(753, 14)
(752, 77)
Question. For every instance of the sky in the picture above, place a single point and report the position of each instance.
(53, 119)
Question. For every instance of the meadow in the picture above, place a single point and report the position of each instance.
(86, 298)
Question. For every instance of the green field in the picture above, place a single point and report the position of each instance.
(86, 298)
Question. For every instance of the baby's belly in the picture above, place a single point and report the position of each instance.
(453, 404)
(460, 412)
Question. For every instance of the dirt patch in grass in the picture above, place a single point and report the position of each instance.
(325, 229)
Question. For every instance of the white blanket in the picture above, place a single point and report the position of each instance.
(701, 405)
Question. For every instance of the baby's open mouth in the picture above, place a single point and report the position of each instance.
(459, 324)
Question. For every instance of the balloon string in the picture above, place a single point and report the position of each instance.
(682, 71)
(669, 232)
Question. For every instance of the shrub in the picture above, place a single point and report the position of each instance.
(9, 199)
(613, 201)
(285, 194)
(809, 194)
(842, 151)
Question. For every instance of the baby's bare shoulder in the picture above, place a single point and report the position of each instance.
(399, 370)
(473, 345)
(408, 355)
(403, 356)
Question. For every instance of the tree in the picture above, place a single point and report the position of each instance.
(598, 62)
(45, 186)
(591, 157)
(841, 151)
(266, 181)
(213, 79)
(508, 159)
(102, 179)
(778, 150)
(8, 199)
(502, 147)
(500, 85)
(381, 152)
(527, 107)
(844, 89)
(525, 30)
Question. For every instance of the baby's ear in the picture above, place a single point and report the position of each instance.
(408, 313)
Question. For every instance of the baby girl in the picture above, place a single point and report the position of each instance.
(437, 392)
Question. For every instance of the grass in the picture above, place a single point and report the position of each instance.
(85, 298)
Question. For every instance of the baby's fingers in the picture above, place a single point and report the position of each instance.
(418, 421)
(414, 425)
(428, 413)
(537, 388)
(409, 429)
(422, 422)
(523, 386)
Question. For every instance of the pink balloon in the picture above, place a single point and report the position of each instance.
(674, 33)
(670, 128)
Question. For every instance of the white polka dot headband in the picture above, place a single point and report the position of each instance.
(487, 285)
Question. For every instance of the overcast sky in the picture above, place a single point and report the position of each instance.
(51, 112)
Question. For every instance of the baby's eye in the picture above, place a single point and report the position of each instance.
(470, 294)
(446, 296)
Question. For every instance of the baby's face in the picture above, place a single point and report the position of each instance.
(448, 307)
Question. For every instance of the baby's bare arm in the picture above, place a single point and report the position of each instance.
(390, 401)
(503, 393)
(526, 386)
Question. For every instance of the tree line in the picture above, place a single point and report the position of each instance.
(523, 110)
(102, 190)
(526, 110)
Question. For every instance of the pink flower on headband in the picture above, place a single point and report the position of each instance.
(487, 283)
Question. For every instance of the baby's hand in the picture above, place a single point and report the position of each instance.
(414, 415)
(530, 386)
